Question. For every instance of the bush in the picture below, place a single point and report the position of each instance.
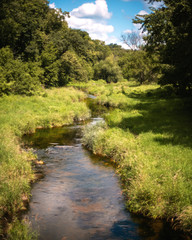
(108, 70)
(18, 77)
(71, 69)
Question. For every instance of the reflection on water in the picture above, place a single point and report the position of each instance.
(80, 197)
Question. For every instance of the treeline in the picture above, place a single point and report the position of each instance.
(38, 49)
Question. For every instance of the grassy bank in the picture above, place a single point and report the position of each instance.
(20, 115)
(149, 135)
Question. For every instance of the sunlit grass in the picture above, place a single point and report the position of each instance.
(149, 136)
(20, 115)
(21, 230)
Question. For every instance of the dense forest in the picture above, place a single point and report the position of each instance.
(38, 49)
(44, 52)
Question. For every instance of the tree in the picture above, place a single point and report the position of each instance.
(71, 69)
(19, 21)
(132, 39)
(169, 34)
(108, 70)
(16, 76)
(139, 66)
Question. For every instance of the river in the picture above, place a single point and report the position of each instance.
(80, 195)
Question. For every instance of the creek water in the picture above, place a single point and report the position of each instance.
(80, 195)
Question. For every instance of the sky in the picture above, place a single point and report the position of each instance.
(105, 20)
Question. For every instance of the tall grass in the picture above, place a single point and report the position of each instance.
(149, 136)
(20, 115)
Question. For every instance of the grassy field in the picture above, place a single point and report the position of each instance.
(149, 136)
(20, 115)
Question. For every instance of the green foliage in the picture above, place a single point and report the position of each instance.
(21, 230)
(37, 48)
(60, 40)
(168, 31)
(108, 70)
(51, 75)
(16, 76)
(101, 51)
(71, 69)
(138, 66)
(49, 54)
(19, 22)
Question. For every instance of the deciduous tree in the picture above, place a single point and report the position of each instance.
(169, 33)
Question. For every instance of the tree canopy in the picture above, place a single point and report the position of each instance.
(37, 48)
(169, 34)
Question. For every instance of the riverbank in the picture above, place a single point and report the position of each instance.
(148, 134)
(20, 115)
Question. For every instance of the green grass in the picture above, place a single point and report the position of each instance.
(20, 115)
(21, 230)
(149, 136)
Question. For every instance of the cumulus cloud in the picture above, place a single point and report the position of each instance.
(99, 9)
(96, 29)
(92, 17)
(142, 12)
(52, 5)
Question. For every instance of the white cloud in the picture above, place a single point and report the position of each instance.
(99, 9)
(52, 5)
(142, 12)
(112, 39)
(92, 17)
(96, 29)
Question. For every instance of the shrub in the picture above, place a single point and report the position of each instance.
(108, 70)
(16, 76)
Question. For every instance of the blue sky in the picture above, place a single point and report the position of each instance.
(105, 20)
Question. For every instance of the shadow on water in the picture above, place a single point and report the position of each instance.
(80, 196)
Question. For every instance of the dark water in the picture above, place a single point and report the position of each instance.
(80, 196)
